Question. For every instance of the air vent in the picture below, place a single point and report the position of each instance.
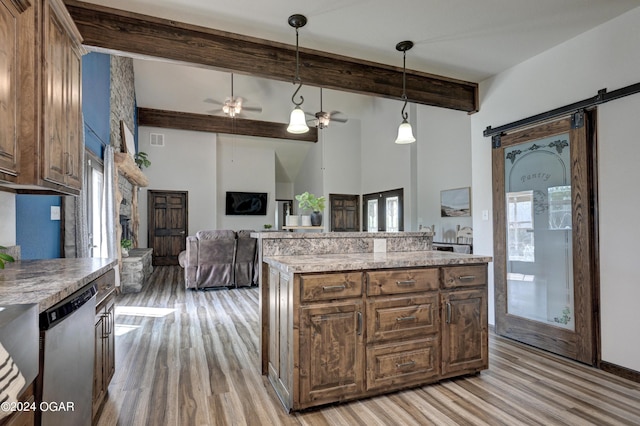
(156, 139)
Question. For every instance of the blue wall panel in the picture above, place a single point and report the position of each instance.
(96, 92)
(37, 235)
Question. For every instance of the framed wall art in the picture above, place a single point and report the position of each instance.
(455, 202)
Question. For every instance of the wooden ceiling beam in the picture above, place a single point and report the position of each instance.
(218, 124)
(123, 31)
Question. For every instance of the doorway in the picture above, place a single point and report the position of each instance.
(168, 224)
(344, 212)
(545, 286)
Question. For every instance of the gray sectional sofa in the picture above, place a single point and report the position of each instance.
(220, 258)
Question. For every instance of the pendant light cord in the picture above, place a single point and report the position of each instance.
(297, 78)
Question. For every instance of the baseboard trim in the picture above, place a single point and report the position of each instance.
(620, 371)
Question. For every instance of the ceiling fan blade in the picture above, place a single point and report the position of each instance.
(252, 108)
(215, 111)
(338, 117)
(213, 101)
(308, 114)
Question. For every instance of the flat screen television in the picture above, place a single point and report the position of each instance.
(246, 203)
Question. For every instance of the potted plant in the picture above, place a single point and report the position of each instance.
(126, 246)
(307, 201)
(4, 258)
(267, 226)
(142, 160)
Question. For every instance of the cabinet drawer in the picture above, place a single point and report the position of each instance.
(330, 286)
(464, 276)
(395, 365)
(402, 317)
(401, 281)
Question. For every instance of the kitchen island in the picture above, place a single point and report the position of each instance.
(353, 325)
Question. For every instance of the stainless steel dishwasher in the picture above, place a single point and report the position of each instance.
(67, 339)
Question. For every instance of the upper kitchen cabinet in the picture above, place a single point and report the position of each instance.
(48, 102)
(12, 22)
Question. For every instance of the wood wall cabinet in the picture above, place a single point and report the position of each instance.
(12, 24)
(44, 99)
(346, 335)
(104, 365)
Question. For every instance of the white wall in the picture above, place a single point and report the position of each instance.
(619, 201)
(386, 165)
(242, 165)
(186, 163)
(7, 219)
(444, 162)
(605, 57)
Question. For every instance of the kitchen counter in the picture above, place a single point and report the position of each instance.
(47, 282)
(360, 261)
(290, 235)
(346, 326)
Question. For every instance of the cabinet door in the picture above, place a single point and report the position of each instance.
(280, 329)
(331, 352)
(9, 69)
(75, 147)
(464, 331)
(98, 371)
(55, 123)
(109, 352)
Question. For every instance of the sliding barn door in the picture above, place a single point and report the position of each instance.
(168, 225)
(543, 238)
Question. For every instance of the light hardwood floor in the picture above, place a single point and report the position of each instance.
(191, 358)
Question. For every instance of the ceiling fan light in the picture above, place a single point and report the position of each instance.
(323, 121)
(405, 133)
(297, 122)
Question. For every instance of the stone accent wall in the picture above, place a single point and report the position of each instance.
(135, 270)
(123, 106)
(123, 98)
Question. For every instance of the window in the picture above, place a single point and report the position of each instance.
(96, 212)
(383, 211)
(520, 226)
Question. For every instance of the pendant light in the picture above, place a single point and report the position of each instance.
(297, 121)
(405, 133)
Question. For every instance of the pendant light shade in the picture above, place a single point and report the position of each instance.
(297, 121)
(405, 132)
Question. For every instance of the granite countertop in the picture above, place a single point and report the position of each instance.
(46, 282)
(360, 261)
(297, 235)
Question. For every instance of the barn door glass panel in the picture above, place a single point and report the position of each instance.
(539, 231)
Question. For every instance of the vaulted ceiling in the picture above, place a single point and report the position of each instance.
(468, 40)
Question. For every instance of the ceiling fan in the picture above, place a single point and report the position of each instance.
(232, 106)
(322, 118)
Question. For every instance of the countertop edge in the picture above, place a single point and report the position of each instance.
(362, 261)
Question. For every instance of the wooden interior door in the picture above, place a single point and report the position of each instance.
(345, 212)
(544, 267)
(167, 224)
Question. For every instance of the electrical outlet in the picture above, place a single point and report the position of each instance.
(485, 214)
(55, 212)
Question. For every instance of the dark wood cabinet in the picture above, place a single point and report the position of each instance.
(12, 21)
(104, 365)
(335, 336)
(331, 351)
(464, 331)
(41, 145)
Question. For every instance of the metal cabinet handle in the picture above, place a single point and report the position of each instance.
(467, 278)
(406, 364)
(448, 313)
(408, 282)
(334, 287)
(359, 324)
(411, 318)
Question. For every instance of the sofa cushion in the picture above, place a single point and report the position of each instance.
(218, 234)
